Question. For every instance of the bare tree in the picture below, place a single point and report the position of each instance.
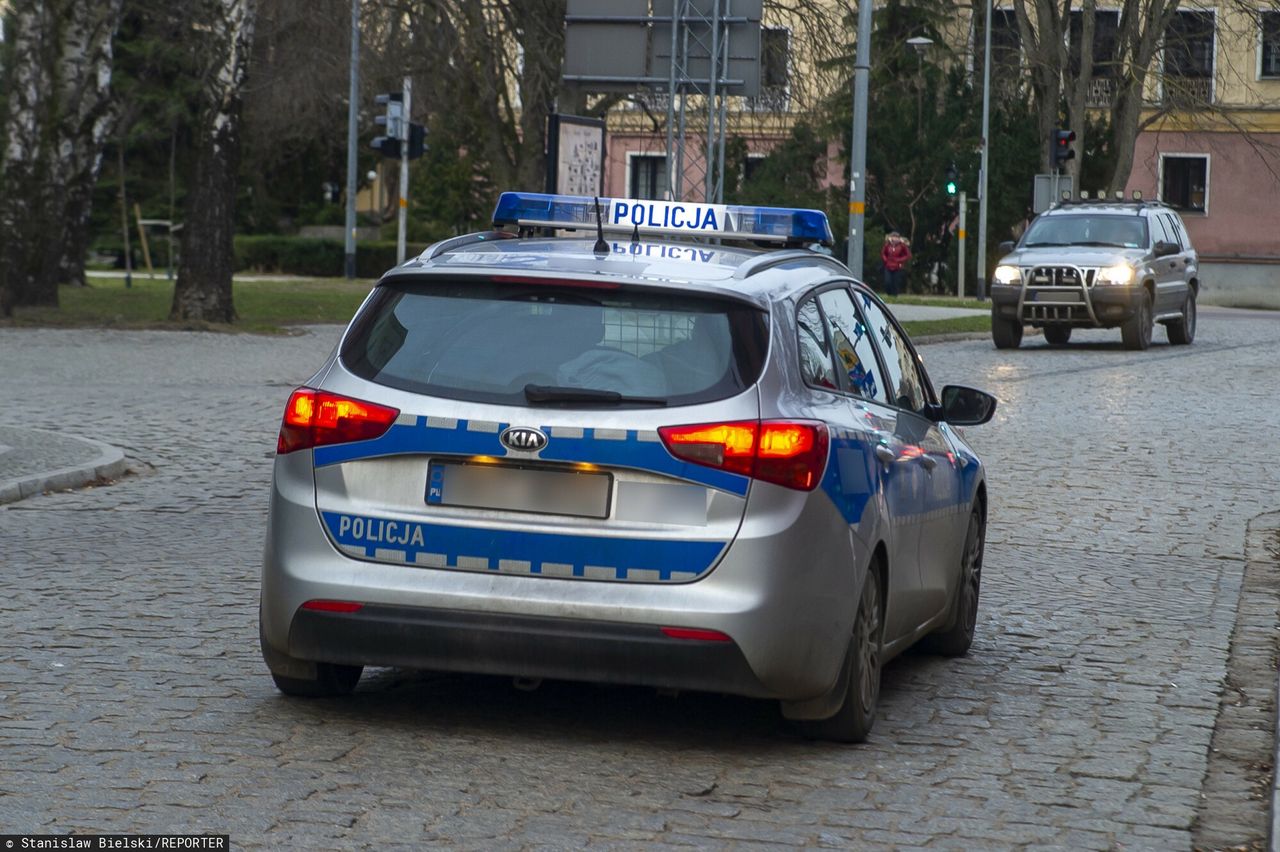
(57, 121)
(203, 290)
(1043, 26)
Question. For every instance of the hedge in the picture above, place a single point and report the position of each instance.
(315, 257)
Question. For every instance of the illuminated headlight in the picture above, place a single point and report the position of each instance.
(1120, 274)
(1008, 275)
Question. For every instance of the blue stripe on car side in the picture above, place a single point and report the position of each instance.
(671, 559)
(420, 438)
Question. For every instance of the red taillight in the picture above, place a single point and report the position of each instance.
(333, 606)
(696, 634)
(314, 418)
(785, 452)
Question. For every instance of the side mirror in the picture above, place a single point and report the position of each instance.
(1164, 249)
(962, 406)
(1005, 247)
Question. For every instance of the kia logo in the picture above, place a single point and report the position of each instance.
(524, 439)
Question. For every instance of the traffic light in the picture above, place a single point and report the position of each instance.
(394, 122)
(1060, 149)
(389, 145)
(952, 186)
(417, 140)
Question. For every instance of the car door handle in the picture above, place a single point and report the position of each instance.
(929, 462)
(885, 454)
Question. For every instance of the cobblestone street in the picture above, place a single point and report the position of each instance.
(1123, 488)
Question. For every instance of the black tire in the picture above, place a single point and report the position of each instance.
(954, 641)
(1006, 333)
(1182, 331)
(1136, 331)
(857, 713)
(1058, 335)
(332, 680)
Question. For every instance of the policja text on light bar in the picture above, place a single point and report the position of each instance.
(667, 218)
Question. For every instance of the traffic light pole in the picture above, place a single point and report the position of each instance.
(986, 146)
(404, 169)
(353, 115)
(960, 235)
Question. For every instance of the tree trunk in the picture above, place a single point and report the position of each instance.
(84, 123)
(202, 292)
(1078, 89)
(1142, 29)
(28, 204)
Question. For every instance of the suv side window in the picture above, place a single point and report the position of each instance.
(906, 384)
(851, 340)
(1175, 236)
(815, 353)
(1167, 231)
(1182, 231)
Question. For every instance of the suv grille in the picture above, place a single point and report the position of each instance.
(1060, 276)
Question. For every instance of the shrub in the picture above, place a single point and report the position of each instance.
(314, 257)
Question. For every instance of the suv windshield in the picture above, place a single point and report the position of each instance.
(544, 344)
(1087, 230)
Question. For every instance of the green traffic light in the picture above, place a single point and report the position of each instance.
(951, 187)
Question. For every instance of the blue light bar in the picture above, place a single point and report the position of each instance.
(665, 218)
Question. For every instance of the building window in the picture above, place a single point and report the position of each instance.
(1270, 24)
(775, 70)
(1006, 51)
(1188, 59)
(1106, 34)
(1184, 182)
(648, 177)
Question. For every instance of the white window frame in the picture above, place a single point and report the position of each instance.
(1258, 75)
(1208, 166)
(631, 155)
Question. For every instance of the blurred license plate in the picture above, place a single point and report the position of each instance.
(519, 489)
(1055, 295)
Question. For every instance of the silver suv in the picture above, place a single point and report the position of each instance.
(1098, 264)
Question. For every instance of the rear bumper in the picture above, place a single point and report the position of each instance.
(1111, 306)
(784, 592)
(522, 646)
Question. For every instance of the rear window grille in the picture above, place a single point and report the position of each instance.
(642, 333)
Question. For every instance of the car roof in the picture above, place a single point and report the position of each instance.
(759, 276)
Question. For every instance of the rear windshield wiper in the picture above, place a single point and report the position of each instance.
(558, 393)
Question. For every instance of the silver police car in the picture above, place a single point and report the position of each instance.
(638, 459)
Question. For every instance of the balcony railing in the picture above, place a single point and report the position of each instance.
(1101, 94)
(1187, 92)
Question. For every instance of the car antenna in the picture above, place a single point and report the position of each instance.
(635, 233)
(601, 247)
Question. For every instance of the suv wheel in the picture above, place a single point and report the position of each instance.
(857, 713)
(1006, 333)
(1136, 331)
(1058, 335)
(1183, 330)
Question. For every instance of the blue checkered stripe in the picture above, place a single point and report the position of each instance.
(431, 545)
(627, 448)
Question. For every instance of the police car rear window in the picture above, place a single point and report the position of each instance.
(490, 341)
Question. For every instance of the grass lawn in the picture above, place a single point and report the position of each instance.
(957, 325)
(271, 306)
(937, 301)
(264, 307)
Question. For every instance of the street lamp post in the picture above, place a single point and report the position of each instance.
(920, 44)
(858, 142)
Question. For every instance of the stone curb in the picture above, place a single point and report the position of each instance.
(109, 464)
